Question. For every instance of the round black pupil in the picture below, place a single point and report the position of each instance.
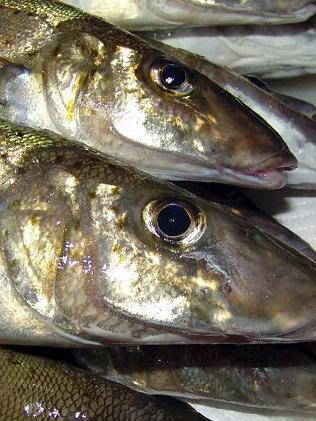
(173, 220)
(173, 75)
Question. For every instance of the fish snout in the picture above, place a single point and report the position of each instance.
(272, 170)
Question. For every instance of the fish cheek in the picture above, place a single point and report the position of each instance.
(33, 226)
(68, 66)
(132, 269)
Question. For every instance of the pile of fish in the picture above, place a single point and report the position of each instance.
(125, 239)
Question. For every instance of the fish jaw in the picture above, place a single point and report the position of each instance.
(270, 174)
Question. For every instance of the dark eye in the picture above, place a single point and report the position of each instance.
(174, 221)
(172, 76)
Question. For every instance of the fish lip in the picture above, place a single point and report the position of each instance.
(273, 178)
(272, 170)
(269, 179)
(278, 162)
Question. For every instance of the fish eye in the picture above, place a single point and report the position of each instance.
(174, 221)
(171, 76)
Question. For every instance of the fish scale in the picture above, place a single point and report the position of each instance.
(40, 388)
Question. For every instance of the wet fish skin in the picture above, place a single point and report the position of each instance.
(296, 104)
(169, 13)
(262, 50)
(82, 260)
(236, 202)
(79, 76)
(261, 376)
(296, 129)
(37, 387)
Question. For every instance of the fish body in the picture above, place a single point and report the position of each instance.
(135, 14)
(37, 387)
(295, 128)
(81, 77)
(269, 376)
(95, 252)
(266, 51)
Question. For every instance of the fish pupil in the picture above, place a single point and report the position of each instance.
(173, 220)
(173, 75)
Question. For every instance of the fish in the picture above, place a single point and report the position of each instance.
(302, 87)
(135, 14)
(294, 209)
(297, 104)
(296, 129)
(93, 252)
(262, 376)
(38, 387)
(260, 209)
(85, 79)
(262, 50)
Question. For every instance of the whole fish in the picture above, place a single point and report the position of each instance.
(37, 387)
(266, 51)
(266, 376)
(77, 75)
(134, 14)
(295, 128)
(92, 251)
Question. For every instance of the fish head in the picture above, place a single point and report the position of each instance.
(125, 95)
(236, 145)
(191, 266)
(222, 139)
(99, 252)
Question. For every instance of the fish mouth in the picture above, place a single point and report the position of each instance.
(270, 179)
(272, 171)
